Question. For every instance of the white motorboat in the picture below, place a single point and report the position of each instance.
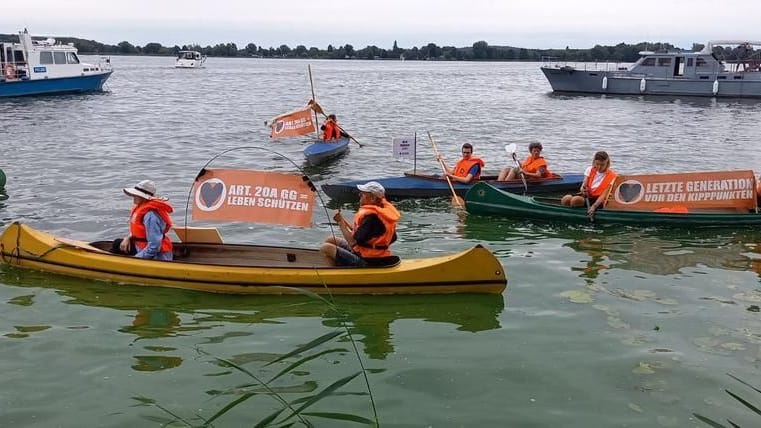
(42, 67)
(189, 59)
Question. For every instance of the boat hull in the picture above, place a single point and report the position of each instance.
(319, 152)
(242, 269)
(428, 186)
(63, 85)
(488, 200)
(591, 82)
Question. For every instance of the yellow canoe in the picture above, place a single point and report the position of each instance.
(250, 269)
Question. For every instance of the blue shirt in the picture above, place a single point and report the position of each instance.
(154, 231)
(474, 170)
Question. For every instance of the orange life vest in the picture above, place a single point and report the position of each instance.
(331, 131)
(532, 165)
(137, 228)
(610, 175)
(464, 165)
(377, 246)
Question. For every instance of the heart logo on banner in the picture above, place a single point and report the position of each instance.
(630, 192)
(210, 193)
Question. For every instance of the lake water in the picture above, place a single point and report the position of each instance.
(609, 327)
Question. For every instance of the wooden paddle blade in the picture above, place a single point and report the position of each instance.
(458, 201)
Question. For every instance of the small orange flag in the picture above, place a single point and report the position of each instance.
(293, 124)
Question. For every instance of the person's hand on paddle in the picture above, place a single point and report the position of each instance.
(124, 245)
(339, 219)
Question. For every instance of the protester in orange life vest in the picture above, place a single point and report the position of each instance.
(330, 129)
(534, 166)
(468, 168)
(148, 224)
(598, 181)
(367, 241)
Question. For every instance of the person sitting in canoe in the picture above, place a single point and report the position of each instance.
(330, 129)
(149, 222)
(598, 181)
(374, 230)
(534, 166)
(467, 169)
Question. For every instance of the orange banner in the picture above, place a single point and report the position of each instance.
(255, 196)
(293, 124)
(691, 190)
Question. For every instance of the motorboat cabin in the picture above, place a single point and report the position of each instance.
(190, 59)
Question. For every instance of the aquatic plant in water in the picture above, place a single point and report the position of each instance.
(743, 401)
(290, 412)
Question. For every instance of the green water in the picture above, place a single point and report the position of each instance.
(599, 327)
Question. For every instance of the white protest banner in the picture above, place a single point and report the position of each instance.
(404, 148)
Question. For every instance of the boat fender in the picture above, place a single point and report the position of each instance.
(604, 83)
(677, 209)
(642, 85)
(715, 89)
(9, 71)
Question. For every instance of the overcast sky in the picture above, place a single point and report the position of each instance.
(522, 23)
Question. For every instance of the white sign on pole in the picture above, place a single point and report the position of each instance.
(404, 148)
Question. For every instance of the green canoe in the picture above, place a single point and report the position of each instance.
(483, 198)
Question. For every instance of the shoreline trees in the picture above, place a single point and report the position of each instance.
(479, 51)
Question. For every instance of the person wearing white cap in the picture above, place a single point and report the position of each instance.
(148, 224)
(367, 240)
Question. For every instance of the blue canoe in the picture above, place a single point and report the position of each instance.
(434, 186)
(321, 151)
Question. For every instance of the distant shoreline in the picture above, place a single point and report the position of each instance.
(479, 51)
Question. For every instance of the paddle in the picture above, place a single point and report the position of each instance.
(456, 200)
(316, 108)
(591, 216)
(510, 148)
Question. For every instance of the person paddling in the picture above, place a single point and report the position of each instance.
(598, 181)
(148, 224)
(534, 166)
(330, 129)
(467, 169)
(367, 240)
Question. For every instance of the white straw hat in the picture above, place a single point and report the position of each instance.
(145, 189)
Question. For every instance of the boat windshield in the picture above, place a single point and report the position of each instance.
(189, 55)
(71, 58)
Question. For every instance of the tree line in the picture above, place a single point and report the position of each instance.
(479, 51)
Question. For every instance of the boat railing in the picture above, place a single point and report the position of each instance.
(14, 70)
(608, 66)
(104, 62)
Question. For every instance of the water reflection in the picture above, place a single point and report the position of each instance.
(160, 312)
(656, 251)
(667, 253)
(693, 101)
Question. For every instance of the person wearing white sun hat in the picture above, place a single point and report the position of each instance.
(367, 241)
(148, 224)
